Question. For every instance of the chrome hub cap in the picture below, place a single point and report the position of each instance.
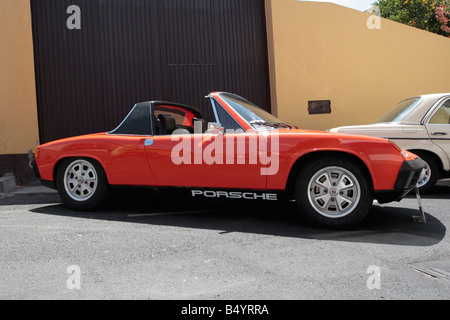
(424, 176)
(334, 192)
(80, 180)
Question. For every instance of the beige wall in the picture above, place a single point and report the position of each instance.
(18, 111)
(323, 51)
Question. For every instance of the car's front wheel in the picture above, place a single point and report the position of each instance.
(333, 192)
(81, 183)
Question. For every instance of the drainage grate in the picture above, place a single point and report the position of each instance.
(435, 268)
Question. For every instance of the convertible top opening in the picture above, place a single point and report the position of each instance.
(139, 120)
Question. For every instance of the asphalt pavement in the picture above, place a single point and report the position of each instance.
(142, 248)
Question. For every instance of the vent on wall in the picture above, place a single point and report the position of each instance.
(319, 106)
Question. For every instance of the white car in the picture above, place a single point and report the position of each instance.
(421, 125)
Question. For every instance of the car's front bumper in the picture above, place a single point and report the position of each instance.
(407, 178)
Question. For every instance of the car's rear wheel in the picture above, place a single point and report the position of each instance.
(81, 183)
(333, 193)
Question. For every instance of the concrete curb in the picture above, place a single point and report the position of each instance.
(7, 183)
(31, 190)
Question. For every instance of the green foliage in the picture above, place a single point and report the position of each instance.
(430, 15)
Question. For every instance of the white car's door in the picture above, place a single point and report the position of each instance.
(438, 127)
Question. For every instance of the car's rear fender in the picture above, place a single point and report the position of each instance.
(58, 163)
(51, 155)
(122, 158)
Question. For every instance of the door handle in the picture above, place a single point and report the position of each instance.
(148, 142)
(439, 133)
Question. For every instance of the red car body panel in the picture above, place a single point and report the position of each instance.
(127, 161)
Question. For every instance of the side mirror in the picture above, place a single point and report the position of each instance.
(214, 128)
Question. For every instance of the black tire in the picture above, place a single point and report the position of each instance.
(432, 173)
(82, 184)
(333, 193)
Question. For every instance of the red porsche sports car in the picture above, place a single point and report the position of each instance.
(246, 154)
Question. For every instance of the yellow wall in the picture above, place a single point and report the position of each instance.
(18, 111)
(323, 51)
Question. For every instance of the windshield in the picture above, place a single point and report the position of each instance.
(400, 111)
(258, 118)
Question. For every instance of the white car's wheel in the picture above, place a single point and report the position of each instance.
(430, 175)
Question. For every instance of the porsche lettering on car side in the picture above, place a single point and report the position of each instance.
(234, 195)
(332, 177)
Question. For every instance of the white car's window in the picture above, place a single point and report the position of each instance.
(400, 111)
(442, 116)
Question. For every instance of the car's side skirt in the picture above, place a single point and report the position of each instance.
(195, 193)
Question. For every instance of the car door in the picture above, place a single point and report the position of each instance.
(438, 127)
(207, 160)
(127, 162)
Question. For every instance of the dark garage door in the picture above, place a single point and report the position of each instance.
(128, 51)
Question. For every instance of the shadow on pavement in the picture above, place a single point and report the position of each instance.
(384, 225)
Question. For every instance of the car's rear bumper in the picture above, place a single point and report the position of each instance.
(48, 184)
(406, 180)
